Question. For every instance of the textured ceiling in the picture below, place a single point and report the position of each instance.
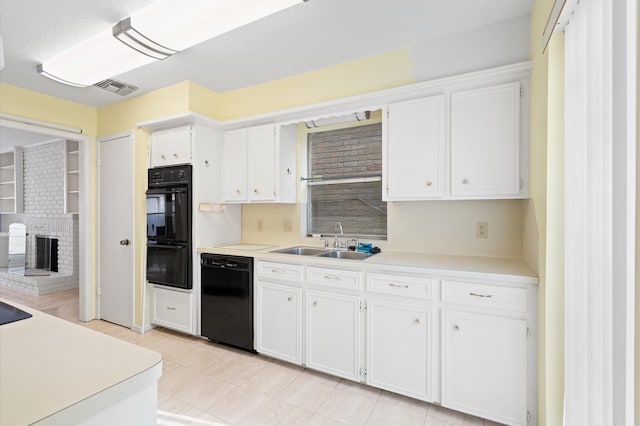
(308, 36)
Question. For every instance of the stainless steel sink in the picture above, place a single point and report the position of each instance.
(314, 251)
(352, 255)
(301, 251)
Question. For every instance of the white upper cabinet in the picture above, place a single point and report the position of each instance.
(259, 164)
(171, 146)
(415, 151)
(234, 163)
(468, 141)
(485, 140)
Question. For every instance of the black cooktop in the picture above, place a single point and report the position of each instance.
(10, 313)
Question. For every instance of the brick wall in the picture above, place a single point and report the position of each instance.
(43, 193)
(342, 153)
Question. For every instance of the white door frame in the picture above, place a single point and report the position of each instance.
(130, 135)
(52, 129)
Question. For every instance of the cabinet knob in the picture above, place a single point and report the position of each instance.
(465, 181)
(456, 327)
(289, 299)
(164, 157)
(417, 321)
(237, 191)
(315, 303)
(171, 308)
(429, 183)
(175, 155)
(255, 190)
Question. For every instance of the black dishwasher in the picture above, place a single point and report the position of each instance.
(227, 300)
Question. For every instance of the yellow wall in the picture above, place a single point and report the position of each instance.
(535, 227)
(377, 72)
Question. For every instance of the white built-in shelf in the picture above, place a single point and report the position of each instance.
(72, 177)
(11, 181)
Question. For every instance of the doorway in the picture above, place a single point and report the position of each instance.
(33, 132)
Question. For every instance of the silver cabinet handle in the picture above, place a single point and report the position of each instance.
(315, 303)
(255, 190)
(429, 183)
(417, 321)
(277, 271)
(171, 308)
(164, 157)
(289, 299)
(488, 296)
(124, 242)
(456, 327)
(237, 191)
(331, 277)
(398, 285)
(465, 181)
(175, 155)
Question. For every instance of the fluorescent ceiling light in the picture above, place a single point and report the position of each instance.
(124, 32)
(157, 31)
(338, 119)
(180, 25)
(96, 59)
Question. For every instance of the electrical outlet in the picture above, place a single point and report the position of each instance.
(259, 225)
(286, 226)
(482, 229)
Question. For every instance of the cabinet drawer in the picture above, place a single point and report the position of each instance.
(348, 280)
(484, 295)
(173, 309)
(399, 285)
(280, 271)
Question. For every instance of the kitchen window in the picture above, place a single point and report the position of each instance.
(345, 169)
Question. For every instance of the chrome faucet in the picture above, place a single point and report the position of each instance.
(337, 229)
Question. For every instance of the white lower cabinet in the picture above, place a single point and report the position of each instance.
(484, 366)
(172, 309)
(398, 345)
(280, 321)
(468, 345)
(333, 333)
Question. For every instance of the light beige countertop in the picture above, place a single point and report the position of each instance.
(48, 365)
(437, 264)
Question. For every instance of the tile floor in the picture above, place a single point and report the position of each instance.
(208, 384)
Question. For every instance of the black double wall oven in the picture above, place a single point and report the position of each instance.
(169, 233)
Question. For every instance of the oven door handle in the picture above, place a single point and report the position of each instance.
(167, 246)
(177, 190)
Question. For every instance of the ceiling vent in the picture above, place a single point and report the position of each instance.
(117, 87)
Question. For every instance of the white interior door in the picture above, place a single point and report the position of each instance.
(115, 281)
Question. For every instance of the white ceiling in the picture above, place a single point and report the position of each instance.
(307, 36)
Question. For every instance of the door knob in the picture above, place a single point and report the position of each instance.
(124, 242)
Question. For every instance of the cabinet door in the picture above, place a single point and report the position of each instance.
(398, 345)
(484, 367)
(234, 161)
(280, 322)
(333, 334)
(415, 149)
(172, 146)
(261, 161)
(485, 141)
